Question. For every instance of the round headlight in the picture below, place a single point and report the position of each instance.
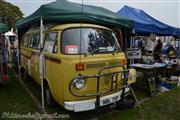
(79, 83)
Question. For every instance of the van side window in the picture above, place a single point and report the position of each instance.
(50, 42)
(34, 42)
(25, 41)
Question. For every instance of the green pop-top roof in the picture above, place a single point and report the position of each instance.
(3, 27)
(62, 10)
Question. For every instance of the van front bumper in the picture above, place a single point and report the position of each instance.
(85, 105)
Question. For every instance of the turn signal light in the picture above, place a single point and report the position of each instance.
(123, 61)
(80, 67)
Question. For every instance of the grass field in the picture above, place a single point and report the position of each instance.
(162, 107)
(165, 106)
(13, 98)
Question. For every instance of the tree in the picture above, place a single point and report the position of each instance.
(9, 13)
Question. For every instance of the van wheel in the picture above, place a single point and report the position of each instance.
(49, 98)
(22, 70)
(25, 75)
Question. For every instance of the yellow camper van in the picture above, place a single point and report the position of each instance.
(84, 66)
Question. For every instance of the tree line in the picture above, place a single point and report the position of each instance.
(9, 13)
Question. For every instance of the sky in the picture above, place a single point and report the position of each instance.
(166, 11)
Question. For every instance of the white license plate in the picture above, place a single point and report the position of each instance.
(110, 100)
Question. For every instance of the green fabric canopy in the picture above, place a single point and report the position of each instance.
(64, 11)
(3, 27)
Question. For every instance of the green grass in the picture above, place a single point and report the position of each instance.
(162, 107)
(130, 114)
(165, 106)
(36, 90)
(13, 98)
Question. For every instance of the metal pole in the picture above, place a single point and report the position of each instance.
(131, 42)
(132, 47)
(134, 95)
(125, 40)
(18, 56)
(2, 57)
(41, 62)
(1, 67)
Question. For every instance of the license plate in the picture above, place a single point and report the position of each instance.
(115, 98)
(110, 100)
(106, 101)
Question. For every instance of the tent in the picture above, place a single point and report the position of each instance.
(3, 27)
(145, 24)
(64, 11)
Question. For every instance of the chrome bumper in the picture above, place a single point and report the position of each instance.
(90, 104)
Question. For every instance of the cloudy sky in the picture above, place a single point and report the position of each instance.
(167, 11)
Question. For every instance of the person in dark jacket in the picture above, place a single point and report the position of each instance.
(157, 50)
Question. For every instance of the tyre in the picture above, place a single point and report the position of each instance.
(22, 70)
(24, 74)
(48, 96)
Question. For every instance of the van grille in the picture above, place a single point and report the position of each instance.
(97, 65)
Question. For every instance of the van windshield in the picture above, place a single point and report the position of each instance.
(91, 40)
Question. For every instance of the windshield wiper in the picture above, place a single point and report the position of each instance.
(94, 50)
(91, 53)
(116, 50)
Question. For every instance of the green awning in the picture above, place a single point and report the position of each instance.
(64, 11)
(3, 27)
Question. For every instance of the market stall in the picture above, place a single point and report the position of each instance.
(146, 29)
(149, 35)
(149, 77)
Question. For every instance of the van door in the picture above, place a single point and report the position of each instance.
(52, 60)
(23, 52)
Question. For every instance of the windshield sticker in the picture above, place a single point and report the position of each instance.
(110, 48)
(71, 49)
(102, 49)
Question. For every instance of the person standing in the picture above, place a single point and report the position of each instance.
(157, 50)
(4, 46)
(141, 44)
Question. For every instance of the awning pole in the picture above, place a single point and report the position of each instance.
(18, 55)
(41, 63)
(1, 66)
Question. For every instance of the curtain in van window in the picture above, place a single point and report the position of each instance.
(34, 43)
(50, 43)
(25, 41)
